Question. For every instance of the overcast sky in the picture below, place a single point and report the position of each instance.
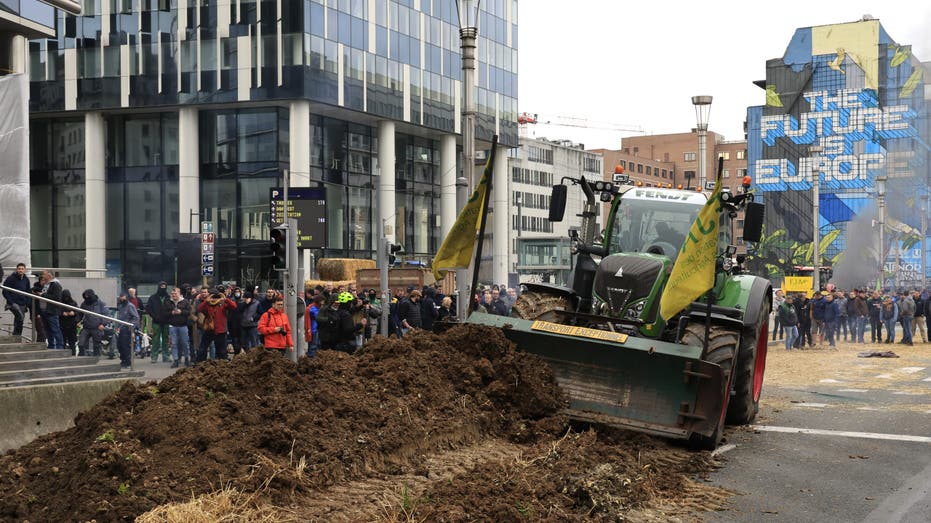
(638, 64)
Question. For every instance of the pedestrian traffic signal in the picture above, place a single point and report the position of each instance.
(278, 247)
(393, 250)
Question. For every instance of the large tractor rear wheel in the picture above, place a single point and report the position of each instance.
(722, 348)
(533, 305)
(748, 373)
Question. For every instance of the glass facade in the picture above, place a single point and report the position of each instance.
(241, 65)
(847, 103)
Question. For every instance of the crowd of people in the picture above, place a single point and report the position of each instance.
(834, 315)
(189, 324)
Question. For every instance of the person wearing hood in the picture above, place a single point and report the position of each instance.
(93, 326)
(69, 323)
(17, 303)
(158, 307)
(276, 329)
(51, 289)
(248, 323)
(126, 311)
(214, 310)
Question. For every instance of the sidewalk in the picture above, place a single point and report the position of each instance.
(153, 371)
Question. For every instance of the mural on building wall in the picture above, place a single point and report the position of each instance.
(846, 103)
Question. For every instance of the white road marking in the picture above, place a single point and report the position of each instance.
(911, 370)
(926, 379)
(884, 376)
(815, 405)
(852, 390)
(723, 448)
(831, 381)
(843, 433)
(903, 393)
(869, 408)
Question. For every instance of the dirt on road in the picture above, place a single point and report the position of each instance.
(451, 427)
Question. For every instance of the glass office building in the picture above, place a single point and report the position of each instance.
(149, 117)
(850, 104)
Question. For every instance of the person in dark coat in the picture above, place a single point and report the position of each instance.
(16, 303)
(428, 312)
(788, 318)
(69, 323)
(93, 326)
(803, 307)
(158, 308)
(335, 325)
(51, 289)
(409, 312)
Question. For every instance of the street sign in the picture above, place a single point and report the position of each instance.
(206, 248)
(208, 270)
(208, 259)
(307, 205)
(206, 226)
(207, 237)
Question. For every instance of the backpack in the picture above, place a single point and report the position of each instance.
(204, 322)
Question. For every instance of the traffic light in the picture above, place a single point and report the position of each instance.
(279, 247)
(393, 250)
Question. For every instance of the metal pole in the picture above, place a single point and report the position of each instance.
(881, 189)
(702, 153)
(816, 219)
(381, 255)
(924, 245)
(291, 290)
(467, 37)
(462, 275)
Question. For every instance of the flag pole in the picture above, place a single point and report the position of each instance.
(710, 293)
(481, 229)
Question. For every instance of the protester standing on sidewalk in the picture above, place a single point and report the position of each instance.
(906, 314)
(875, 306)
(788, 318)
(778, 300)
(177, 329)
(69, 323)
(126, 311)
(157, 307)
(860, 313)
(275, 328)
(51, 289)
(919, 322)
(93, 326)
(214, 327)
(890, 315)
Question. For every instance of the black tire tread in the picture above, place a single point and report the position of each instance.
(722, 346)
(742, 409)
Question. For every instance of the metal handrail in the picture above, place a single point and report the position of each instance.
(56, 269)
(65, 305)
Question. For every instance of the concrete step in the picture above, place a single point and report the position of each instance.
(46, 363)
(11, 339)
(33, 354)
(19, 347)
(15, 376)
(52, 380)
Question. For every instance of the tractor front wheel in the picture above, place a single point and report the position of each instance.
(748, 373)
(722, 348)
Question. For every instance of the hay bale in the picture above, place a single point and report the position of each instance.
(333, 269)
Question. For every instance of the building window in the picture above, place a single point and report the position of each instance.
(649, 170)
(640, 168)
(741, 173)
(727, 173)
(689, 174)
(664, 173)
(724, 154)
(690, 157)
(742, 154)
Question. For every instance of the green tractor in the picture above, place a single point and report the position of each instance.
(610, 349)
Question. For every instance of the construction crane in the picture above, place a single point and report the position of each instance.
(568, 121)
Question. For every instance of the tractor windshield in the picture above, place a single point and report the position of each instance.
(654, 225)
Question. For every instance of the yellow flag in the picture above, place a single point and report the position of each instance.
(693, 273)
(459, 244)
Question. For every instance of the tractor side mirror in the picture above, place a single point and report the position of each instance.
(753, 221)
(558, 202)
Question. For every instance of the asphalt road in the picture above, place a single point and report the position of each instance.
(825, 452)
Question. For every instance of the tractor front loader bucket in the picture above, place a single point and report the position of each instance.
(637, 383)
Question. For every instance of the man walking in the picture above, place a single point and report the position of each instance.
(126, 311)
(906, 314)
(17, 304)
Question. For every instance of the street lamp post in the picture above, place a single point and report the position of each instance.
(468, 35)
(702, 105)
(814, 152)
(881, 193)
(924, 238)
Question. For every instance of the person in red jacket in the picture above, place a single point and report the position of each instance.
(214, 325)
(276, 328)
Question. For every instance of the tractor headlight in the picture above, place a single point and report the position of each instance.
(727, 264)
